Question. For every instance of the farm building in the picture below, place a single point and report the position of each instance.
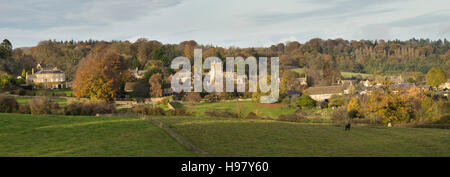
(324, 93)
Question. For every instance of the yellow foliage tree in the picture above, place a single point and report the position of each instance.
(353, 104)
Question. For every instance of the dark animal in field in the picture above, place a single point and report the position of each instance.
(347, 127)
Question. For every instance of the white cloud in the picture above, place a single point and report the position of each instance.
(224, 23)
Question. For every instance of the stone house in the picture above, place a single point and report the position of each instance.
(324, 93)
(46, 78)
(138, 74)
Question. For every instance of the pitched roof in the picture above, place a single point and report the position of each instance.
(136, 86)
(324, 90)
(49, 72)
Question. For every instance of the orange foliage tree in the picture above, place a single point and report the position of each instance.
(100, 75)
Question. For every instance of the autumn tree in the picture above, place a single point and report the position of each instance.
(189, 48)
(155, 85)
(392, 107)
(353, 107)
(101, 75)
(435, 77)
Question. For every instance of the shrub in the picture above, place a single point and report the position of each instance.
(212, 98)
(323, 104)
(372, 118)
(337, 100)
(8, 104)
(24, 109)
(40, 105)
(179, 112)
(55, 109)
(445, 119)
(102, 108)
(292, 118)
(155, 111)
(340, 116)
(221, 113)
(252, 115)
(89, 109)
(193, 97)
(305, 101)
(19, 91)
(73, 109)
(152, 110)
(353, 113)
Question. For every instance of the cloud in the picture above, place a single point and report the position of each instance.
(225, 23)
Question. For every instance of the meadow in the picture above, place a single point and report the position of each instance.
(264, 110)
(51, 135)
(56, 135)
(344, 74)
(240, 137)
(25, 100)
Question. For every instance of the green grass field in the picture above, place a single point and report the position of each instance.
(264, 110)
(68, 92)
(25, 100)
(237, 137)
(299, 70)
(350, 74)
(50, 135)
(344, 74)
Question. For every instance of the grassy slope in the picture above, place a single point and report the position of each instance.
(48, 135)
(232, 137)
(350, 74)
(246, 106)
(344, 74)
(24, 100)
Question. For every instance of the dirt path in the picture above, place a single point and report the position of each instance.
(177, 137)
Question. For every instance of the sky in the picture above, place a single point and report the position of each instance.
(240, 23)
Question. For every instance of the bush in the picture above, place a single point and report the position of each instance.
(212, 98)
(353, 113)
(340, 116)
(305, 101)
(24, 109)
(103, 108)
(445, 119)
(40, 105)
(252, 115)
(19, 91)
(152, 110)
(323, 104)
(193, 97)
(337, 100)
(221, 113)
(73, 109)
(179, 112)
(89, 109)
(8, 104)
(292, 118)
